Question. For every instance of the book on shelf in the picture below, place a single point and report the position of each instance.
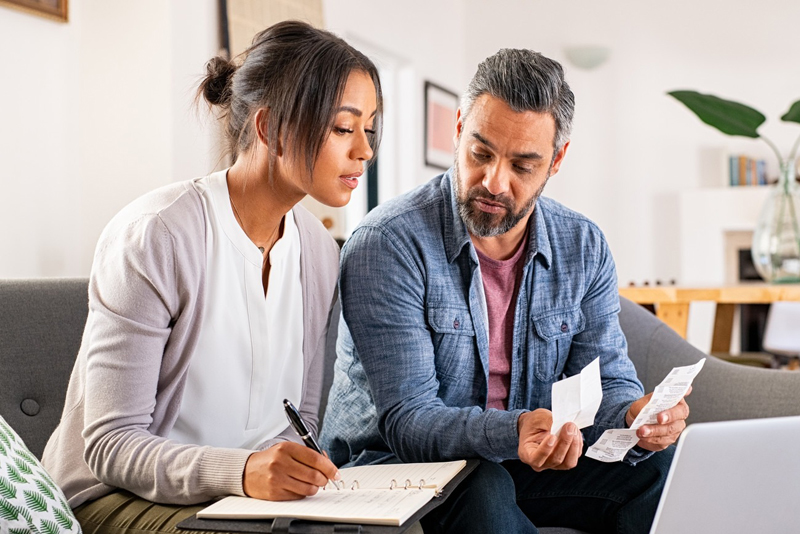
(386, 494)
(733, 170)
(746, 171)
(742, 170)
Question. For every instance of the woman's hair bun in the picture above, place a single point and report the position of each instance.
(216, 87)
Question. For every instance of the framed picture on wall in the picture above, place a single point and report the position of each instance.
(52, 9)
(440, 122)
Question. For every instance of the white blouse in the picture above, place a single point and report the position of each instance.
(249, 355)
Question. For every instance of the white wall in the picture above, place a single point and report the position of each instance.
(34, 147)
(410, 42)
(422, 40)
(634, 148)
(94, 113)
(99, 109)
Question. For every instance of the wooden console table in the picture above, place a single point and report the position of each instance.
(672, 304)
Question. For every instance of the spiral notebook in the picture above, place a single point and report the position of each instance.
(387, 494)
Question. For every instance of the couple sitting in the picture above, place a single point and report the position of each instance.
(463, 301)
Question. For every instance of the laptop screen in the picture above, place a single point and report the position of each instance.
(734, 476)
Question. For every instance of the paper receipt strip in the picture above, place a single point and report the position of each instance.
(614, 444)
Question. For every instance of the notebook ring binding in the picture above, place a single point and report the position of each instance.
(339, 485)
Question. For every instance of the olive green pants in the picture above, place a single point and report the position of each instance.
(122, 512)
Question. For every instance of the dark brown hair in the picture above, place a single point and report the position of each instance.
(299, 73)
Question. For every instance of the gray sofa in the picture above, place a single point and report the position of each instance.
(41, 322)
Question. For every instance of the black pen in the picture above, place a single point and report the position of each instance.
(302, 430)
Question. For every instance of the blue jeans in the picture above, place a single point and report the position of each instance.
(593, 497)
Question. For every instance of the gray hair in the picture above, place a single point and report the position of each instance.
(526, 81)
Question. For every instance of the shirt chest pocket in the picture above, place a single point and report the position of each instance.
(552, 339)
(453, 336)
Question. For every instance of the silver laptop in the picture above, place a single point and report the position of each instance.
(734, 476)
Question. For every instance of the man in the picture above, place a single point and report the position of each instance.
(465, 299)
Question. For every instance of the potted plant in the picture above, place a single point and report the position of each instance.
(776, 239)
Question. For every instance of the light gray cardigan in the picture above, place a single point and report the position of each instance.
(146, 295)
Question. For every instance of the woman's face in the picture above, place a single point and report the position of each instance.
(341, 160)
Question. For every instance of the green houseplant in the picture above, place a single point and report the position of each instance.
(776, 239)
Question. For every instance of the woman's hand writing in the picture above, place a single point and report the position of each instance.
(286, 471)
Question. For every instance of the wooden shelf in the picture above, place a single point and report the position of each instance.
(756, 293)
(672, 304)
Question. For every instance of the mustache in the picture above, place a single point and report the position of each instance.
(479, 192)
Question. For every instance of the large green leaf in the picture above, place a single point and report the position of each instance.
(727, 116)
(793, 115)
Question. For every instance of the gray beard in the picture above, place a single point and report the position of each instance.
(482, 224)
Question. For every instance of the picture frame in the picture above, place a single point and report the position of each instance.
(441, 106)
(56, 10)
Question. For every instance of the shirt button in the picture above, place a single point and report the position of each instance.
(456, 324)
(564, 327)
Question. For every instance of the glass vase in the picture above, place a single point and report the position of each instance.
(776, 239)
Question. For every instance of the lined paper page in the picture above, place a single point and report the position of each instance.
(435, 474)
(376, 507)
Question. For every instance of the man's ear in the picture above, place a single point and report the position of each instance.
(261, 125)
(558, 159)
(459, 127)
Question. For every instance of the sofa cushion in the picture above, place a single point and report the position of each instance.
(30, 502)
(41, 323)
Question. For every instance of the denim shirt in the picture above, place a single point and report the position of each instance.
(411, 376)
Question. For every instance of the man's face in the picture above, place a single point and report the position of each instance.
(503, 160)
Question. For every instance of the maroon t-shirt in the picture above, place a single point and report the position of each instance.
(501, 281)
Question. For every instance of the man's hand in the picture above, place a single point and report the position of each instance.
(285, 472)
(540, 449)
(670, 424)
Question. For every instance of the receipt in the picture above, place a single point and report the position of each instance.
(615, 443)
(668, 393)
(576, 399)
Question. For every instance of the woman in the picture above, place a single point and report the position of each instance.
(209, 300)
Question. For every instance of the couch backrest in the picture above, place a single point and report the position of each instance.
(42, 321)
(41, 324)
(723, 390)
